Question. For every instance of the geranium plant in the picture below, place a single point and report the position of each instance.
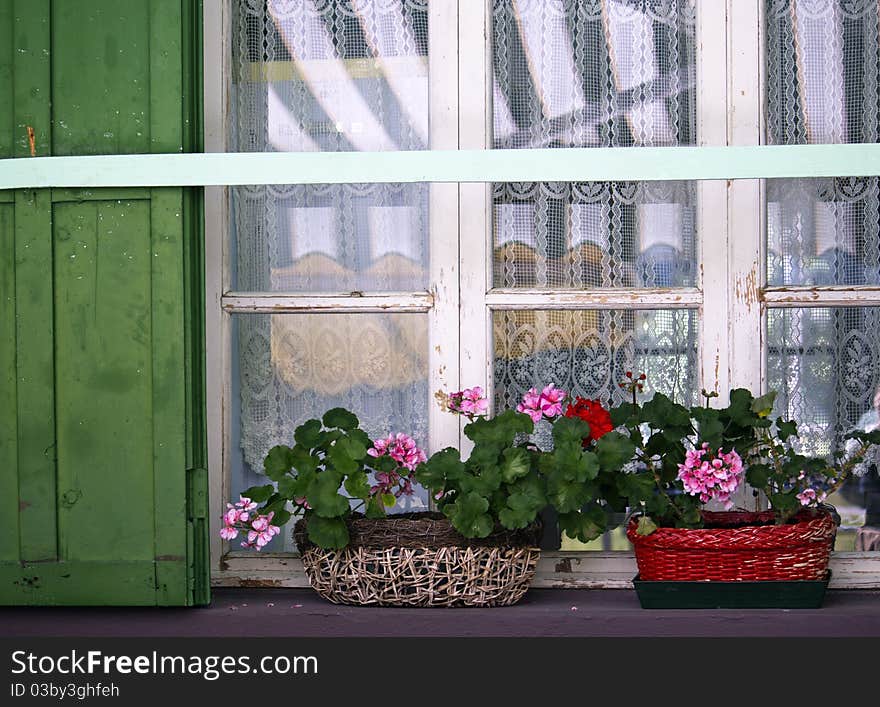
(685, 458)
(506, 481)
(326, 476)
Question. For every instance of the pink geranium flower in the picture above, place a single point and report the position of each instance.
(469, 402)
(547, 403)
(711, 475)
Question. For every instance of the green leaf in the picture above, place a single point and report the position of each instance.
(388, 499)
(324, 497)
(513, 519)
(711, 429)
(758, 475)
(308, 434)
(278, 462)
(786, 428)
(281, 517)
(624, 414)
(441, 467)
(375, 509)
(500, 430)
(516, 464)
(570, 429)
(258, 494)
(614, 450)
(527, 494)
(358, 485)
(340, 418)
(468, 516)
(763, 406)
(566, 495)
(352, 447)
(484, 484)
(663, 414)
(636, 487)
(584, 525)
(291, 487)
(328, 533)
(646, 526)
(346, 455)
(570, 461)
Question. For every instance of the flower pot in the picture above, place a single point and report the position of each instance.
(419, 559)
(738, 546)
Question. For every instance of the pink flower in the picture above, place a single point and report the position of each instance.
(711, 475)
(547, 403)
(228, 532)
(551, 401)
(262, 532)
(400, 447)
(469, 402)
(810, 497)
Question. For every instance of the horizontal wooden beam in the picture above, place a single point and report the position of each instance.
(281, 303)
(557, 570)
(833, 296)
(648, 298)
(564, 165)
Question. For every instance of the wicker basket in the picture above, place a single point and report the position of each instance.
(737, 546)
(419, 559)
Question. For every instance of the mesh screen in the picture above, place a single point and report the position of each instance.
(591, 73)
(330, 76)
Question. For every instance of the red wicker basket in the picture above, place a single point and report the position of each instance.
(737, 546)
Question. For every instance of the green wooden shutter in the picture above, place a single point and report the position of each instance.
(103, 489)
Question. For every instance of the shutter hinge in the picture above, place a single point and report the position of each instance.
(197, 493)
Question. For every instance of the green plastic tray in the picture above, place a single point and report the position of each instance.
(731, 595)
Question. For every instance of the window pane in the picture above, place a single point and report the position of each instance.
(823, 62)
(330, 76)
(288, 368)
(593, 73)
(588, 353)
(825, 363)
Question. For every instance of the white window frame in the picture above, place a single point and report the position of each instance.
(460, 300)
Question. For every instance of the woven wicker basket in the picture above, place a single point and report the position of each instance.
(419, 559)
(737, 546)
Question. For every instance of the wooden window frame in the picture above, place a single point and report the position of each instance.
(460, 300)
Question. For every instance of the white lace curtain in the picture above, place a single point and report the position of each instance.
(594, 73)
(329, 75)
(823, 62)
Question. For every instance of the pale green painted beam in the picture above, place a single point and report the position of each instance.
(562, 165)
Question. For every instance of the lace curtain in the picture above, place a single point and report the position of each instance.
(593, 73)
(823, 60)
(328, 75)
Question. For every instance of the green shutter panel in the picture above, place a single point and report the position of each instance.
(102, 442)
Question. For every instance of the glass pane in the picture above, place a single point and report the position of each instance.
(823, 231)
(288, 368)
(593, 73)
(825, 363)
(587, 353)
(823, 63)
(330, 76)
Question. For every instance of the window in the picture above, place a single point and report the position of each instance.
(374, 296)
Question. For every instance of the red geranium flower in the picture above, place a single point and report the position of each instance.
(591, 412)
